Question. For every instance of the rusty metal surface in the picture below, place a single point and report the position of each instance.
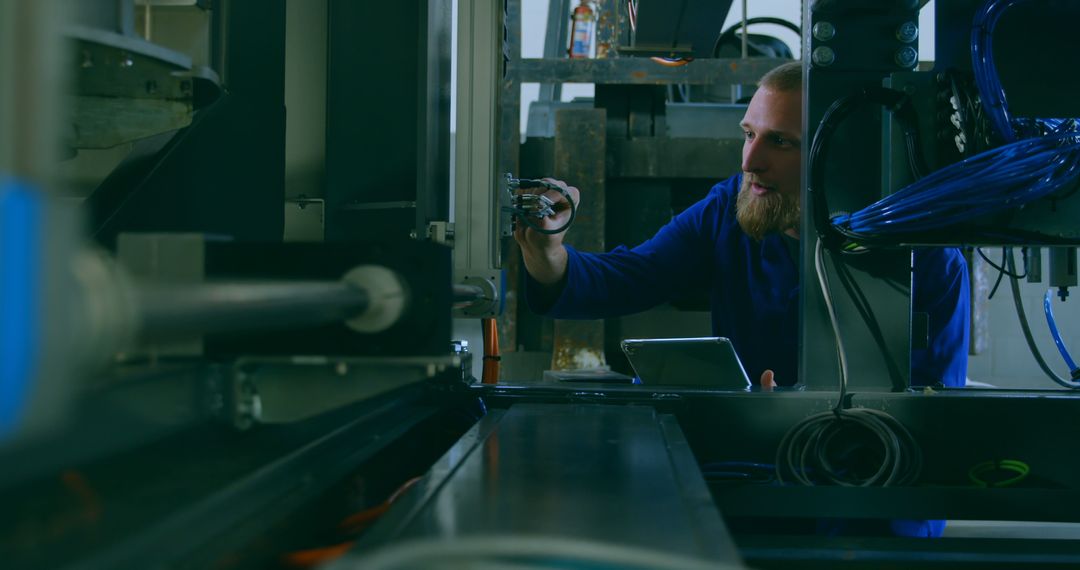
(580, 155)
(509, 137)
(610, 23)
(662, 158)
(642, 71)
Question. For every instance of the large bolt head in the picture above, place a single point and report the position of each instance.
(823, 56)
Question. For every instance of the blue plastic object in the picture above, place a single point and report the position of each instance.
(20, 242)
(1054, 331)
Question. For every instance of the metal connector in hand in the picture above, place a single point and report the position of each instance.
(536, 205)
(529, 205)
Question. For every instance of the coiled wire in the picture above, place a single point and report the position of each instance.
(823, 443)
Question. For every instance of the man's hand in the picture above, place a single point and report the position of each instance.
(767, 382)
(544, 255)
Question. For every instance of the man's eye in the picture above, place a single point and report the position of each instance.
(781, 141)
(748, 135)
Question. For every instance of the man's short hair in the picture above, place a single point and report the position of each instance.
(784, 78)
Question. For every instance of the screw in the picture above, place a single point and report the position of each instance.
(907, 32)
(906, 57)
(823, 56)
(824, 31)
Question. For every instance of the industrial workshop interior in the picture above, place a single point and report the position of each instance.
(559, 284)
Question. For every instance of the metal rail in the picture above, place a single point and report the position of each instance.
(172, 311)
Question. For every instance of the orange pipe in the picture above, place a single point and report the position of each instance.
(490, 374)
(359, 521)
(353, 524)
(316, 556)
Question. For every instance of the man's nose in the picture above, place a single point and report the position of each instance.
(755, 155)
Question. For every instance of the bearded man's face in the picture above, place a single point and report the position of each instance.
(769, 198)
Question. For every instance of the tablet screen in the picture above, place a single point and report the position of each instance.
(706, 362)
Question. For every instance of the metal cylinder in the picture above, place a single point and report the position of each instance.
(215, 308)
(467, 295)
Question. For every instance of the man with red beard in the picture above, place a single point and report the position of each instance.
(740, 245)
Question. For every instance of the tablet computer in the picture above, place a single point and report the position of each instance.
(706, 362)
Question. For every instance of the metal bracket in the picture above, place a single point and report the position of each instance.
(281, 390)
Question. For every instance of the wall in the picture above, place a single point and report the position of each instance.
(1007, 362)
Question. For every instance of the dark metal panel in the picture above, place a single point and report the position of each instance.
(1049, 505)
(695, 495)
(588, 472)
(433, 114)
(826, 553)
(1030, 69)
(224, 174)
(685, 26)
(659, 158)
(674, 158)
(580, 149)
(956, 430)
(877, 348)
(556, 41)
(139, 404)
(191, 536)
(508, 159)
(387, 138)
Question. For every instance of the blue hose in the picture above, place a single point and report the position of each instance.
(1054, 332)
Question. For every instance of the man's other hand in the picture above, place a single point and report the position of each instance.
(767, 382)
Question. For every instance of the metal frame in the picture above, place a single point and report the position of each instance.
(477, 216)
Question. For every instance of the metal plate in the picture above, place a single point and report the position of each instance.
(601, 473)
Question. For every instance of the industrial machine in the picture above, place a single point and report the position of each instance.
(184, 387)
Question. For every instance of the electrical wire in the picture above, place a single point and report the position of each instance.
(729, 33)
(841, 354)
(863, 306)
(1052, 323)
(1017, 468)
(1041, 159)
(1000, 179)
(739, 472)
(1001, 268)
(1002, 272)
(813, 451)
(982, 63)
(815, 445)
(678, 25)
(353, 524)
(829, 230)
(1027, 330)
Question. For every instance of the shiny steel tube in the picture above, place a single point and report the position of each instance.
(468, 295)
(173, 311)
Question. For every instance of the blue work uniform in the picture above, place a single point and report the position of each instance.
(753, 289)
